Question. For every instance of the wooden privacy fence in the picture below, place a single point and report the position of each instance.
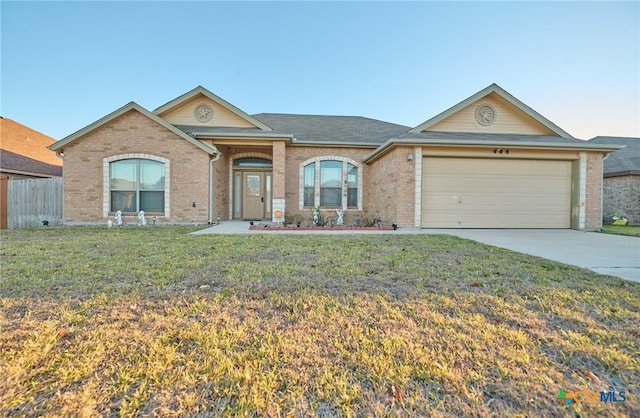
(29, 202)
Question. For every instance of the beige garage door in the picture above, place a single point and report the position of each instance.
(495, 193)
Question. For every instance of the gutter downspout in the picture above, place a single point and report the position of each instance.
(211, 186)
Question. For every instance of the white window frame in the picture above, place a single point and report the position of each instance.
(106, 179)
(316, 199)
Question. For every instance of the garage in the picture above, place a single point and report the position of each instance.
(495, 193)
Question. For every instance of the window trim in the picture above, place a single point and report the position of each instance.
(345, 189)
(106, 179)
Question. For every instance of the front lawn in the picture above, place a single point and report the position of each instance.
(153, 321)
(631, 230)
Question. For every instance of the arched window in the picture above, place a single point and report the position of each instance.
(137, 184)
(331, 182)
(252, 162)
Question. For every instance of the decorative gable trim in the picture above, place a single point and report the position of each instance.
(119, 112)
(220, 101)
(493, 88)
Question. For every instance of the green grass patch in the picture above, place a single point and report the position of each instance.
(154, 321)
(630, 230)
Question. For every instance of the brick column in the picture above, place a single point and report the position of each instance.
(278, 190)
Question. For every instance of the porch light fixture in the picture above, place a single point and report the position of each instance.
(410, 156)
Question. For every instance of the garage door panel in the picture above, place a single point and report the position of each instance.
(494, 193)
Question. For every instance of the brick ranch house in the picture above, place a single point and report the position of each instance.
(488, 162)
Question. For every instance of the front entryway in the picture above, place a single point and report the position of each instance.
(252, 195)
(253, 202)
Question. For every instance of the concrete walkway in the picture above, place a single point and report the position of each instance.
(614, 255)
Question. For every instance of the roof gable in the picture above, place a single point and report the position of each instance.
(506, 115)
(182, 111)
(132, 106)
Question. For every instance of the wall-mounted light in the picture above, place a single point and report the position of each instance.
(193, 204)
(410, 156)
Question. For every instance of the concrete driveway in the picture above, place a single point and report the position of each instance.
(614, 255)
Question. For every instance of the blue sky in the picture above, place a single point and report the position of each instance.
(67, 64)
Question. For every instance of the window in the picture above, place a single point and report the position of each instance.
(329, 182)
(352, 185)
(137, 184)
(252, 162)
(309, 184)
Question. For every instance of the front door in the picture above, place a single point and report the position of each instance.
(254, 196)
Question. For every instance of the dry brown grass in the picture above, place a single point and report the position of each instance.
(153, 321)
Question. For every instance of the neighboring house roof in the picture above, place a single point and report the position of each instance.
(204, 92)
(13, 163)
(119, 112)
(493, 88)
(24, 151)
(321, 129)
(623, 162)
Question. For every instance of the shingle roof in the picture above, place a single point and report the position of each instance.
(626, 160)
(332, 129)
(22, 140)
(11, 162)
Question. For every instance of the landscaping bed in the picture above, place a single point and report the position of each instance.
(273, 227)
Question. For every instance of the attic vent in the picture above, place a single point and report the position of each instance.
(485, 115)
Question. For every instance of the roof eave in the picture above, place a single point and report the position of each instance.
(27, 173)
(484, 144)
(259, 135)
(622, 173)
(335, 144)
